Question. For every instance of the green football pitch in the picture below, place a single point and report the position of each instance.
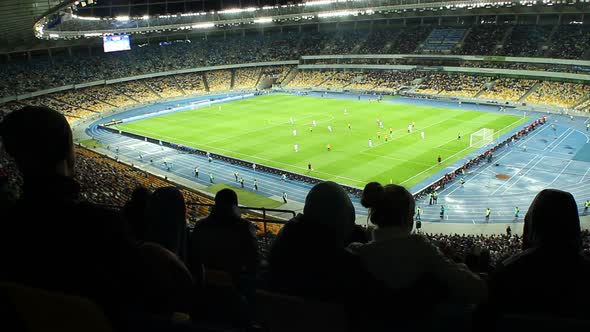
(259, 130)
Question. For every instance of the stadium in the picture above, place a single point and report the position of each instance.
(476, 108)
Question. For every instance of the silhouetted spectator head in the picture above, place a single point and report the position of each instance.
(226, 198)
(135, 212)
(552, 220)
(327, 204)
(166, 215)
(40, 141)
(391, 205)
(226, 203)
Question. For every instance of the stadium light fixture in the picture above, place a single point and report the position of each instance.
(343, 13)
(263, 20)
(326, 2)
(86, 18)
(237, 10)
(145, 17)
(122, 18)
(203, 25)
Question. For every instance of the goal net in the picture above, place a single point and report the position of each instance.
(481, 137)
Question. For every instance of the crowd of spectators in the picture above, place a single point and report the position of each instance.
(461, 85)
(81, 103)
(570, 42)
(218, 80)
(309, 78)
(191, 83)
(482, 39)
(60, 69)
(164, 87)
(526, 40)
(508, 89)
(137, 90)
(109, 94)
(339, 80)
(246, 78)
(583, 106)
(559, 94)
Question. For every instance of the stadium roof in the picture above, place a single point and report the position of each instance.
(17, 18)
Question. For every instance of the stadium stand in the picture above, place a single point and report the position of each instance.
(508, 89)
(570, 42)
(165, 87)
(191, 84)
(137, 90)
(78, 99)
(309, 79)
(219, 80)
(339, 80)
(482, 39)
(108, 94)
(442, 40)
(526, 40)
(558, 94)
(246, 78)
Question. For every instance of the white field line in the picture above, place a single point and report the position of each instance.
(522, 176)
(518, 171)
(562, 140)
(556, 139)
(558, 175)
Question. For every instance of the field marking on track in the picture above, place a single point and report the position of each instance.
(480, 172)
(585, 174)
(587, 137)
(539, 151)
(562, 140)
(182, 162)
(522, 176)
(519, 195)
(560, 173)
(518, 170)
(558, 138)
(533, 135)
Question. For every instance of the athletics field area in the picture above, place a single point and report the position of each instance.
(261, 130)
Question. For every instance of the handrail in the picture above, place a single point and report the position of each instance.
(263, 209)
